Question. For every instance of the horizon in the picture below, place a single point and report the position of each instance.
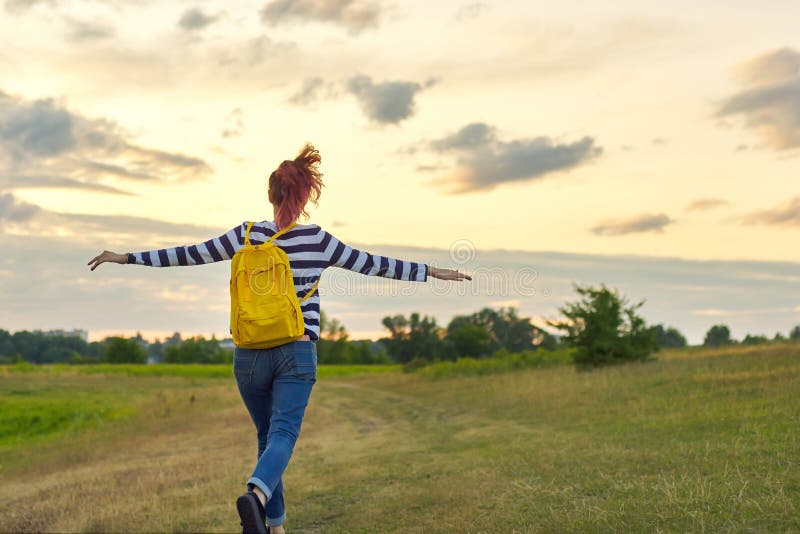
(761, 297)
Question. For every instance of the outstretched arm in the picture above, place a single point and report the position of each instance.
(346, 257)
(216, 249)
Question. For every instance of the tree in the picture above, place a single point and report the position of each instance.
(546, 341)
(795, 333)
(196, 350)
(6, 343)
(468, 338)
(604, 328)
(754, 340)
(156, 350)
(489, 330)
(123, 350)
(174, 339)
(416, 337)
(31, 345)
(333, 346)
(717, 336)
(506, 329)
(96, 351)
(669, 337)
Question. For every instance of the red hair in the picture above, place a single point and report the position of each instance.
(294, 183)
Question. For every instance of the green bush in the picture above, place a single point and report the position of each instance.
(717, 336)
(750, 339)
(500, 362)
(197, 350)
(415, 365)
(123, 350)
(605, 329)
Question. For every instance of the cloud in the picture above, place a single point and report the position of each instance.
(486, 162)
(634, 225)
(787, 214)
(471, 10)
(428, 168)
(38, 129)
(355, 15)
(88, 227)
(312, 89)
(773, 67)
(720, 312)
(20, 6)
(27, 181)
(385, 102)
(257, 50)
(80, 30)
(43, 144)
(769, 100)
(705, 204)
(474, 135)
(236, 122)
(194, 19)
(15, 210)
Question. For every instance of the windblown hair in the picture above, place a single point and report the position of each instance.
(294, 183)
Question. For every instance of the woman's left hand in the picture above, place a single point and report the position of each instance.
(107, 256)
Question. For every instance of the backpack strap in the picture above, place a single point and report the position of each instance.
(310, 292)
(250, 225)
(281, 231)
(247, 234)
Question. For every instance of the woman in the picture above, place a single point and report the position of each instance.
(275, 384)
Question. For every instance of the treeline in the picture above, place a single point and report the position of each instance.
(488, 333)
(334, 346)
(600, 328)
(720, 335)
(40, 347)
(478, 335)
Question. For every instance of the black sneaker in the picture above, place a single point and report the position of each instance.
(252, 513)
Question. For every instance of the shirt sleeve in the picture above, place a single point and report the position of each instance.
(337, 254)
(217, 249)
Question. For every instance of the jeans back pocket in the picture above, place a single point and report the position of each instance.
(305, 360)
(244, 361)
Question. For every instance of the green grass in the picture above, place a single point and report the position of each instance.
(694, 441)
(41, 401)
(178, 369)
(38, 408)
(499, 364)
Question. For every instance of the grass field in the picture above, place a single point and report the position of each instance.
(696, 441)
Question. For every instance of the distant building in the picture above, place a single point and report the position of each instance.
(227, 344)
(83, 334)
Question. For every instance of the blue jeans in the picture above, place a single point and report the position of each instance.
(275, 385)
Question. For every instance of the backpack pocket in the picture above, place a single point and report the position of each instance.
(268, 324)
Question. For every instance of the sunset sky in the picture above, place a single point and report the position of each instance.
(571, 132)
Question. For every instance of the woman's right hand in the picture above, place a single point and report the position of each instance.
(447, 274)
(107, 256)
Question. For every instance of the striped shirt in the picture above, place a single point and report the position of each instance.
(310, 250)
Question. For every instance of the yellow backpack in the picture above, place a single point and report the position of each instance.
(265, 311)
